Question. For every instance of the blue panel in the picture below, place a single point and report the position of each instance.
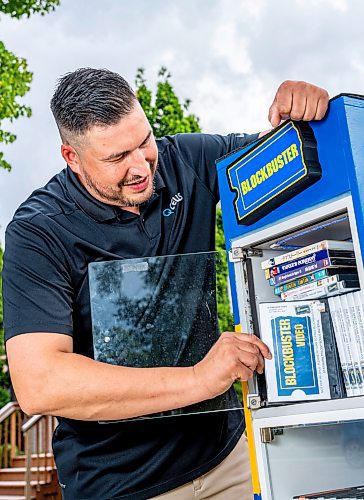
(354, 111)
(340, 145)
(273, 171)
(234, 295)
(340, 148)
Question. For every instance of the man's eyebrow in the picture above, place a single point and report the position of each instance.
(113, 156)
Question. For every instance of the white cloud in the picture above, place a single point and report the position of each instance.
(226, 108)
(341, 5)
(227, 44)
(228, 56)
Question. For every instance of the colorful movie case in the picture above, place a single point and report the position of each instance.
(332, 245)
(301, 340)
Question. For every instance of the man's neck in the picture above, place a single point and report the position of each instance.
(134, 210)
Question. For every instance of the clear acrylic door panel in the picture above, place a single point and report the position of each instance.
(158, 311)
(315, 458)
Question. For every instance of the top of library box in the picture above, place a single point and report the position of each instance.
(295, 167)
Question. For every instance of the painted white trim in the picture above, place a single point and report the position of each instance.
(310, 413)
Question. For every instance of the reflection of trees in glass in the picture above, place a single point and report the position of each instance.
(157, 311)
(162, 316)
(226, 320)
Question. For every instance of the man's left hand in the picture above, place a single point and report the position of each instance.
(298, 101)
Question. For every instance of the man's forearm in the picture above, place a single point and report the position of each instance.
(77, 387)
(49, 378)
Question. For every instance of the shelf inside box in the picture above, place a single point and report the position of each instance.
(315, 458)
(336, 227)
(307, 408)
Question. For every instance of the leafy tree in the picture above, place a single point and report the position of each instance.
(14, 82)
(15, 78)
(226, 320)
(167, 115)
(19, 8)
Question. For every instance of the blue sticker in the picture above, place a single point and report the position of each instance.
(294, 355)
(267, 170)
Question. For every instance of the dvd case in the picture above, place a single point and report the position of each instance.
(332, 274)
(343, 335)
(309, 269)
(301, 252)
(358, 337)
(343, 259)
(343, 356)
(305, 363)
(357, 301)
(318, 291)
(354, 351)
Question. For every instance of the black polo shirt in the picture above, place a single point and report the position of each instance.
(52, 238)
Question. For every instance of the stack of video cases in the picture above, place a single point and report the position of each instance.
(342, 494)
(311, 359)
(347, 314)
(321, 269)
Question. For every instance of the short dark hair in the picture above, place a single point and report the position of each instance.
(88, 97)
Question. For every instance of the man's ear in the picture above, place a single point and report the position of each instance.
(71, 157)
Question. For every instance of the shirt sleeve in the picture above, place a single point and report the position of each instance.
(200, 151)
(37, 290)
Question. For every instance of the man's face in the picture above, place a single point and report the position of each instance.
(117, 163)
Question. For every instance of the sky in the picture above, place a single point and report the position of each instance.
(227, 56)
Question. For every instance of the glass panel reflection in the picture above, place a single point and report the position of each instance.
(314, 458)
(157, 311)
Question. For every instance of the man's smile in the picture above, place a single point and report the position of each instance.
(138, 185)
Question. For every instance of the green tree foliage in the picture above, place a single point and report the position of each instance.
(164, 111)
(14, 82)
(168, 116)
(15, 78)
(4, 377)
(19, 8)
(226, 320)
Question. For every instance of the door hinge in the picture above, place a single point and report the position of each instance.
(254, 401)
(266, 435)
(239, 253)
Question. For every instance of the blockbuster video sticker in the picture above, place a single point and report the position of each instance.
(294, 355)
(275, 169)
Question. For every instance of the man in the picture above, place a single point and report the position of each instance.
(108, 204)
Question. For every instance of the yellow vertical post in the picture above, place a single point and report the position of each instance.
(250, 436)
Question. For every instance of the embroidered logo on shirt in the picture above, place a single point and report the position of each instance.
(173, 204)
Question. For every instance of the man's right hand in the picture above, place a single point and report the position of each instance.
(235, 356)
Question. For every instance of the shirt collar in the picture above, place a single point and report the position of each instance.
(95, 208)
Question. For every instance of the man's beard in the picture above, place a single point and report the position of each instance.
(116, 196)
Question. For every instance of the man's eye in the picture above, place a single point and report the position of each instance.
(118, 159)
(145, 143)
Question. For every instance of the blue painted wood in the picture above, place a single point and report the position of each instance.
(353, 110)
(340, 143)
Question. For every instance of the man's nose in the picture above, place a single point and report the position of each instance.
(138, 165)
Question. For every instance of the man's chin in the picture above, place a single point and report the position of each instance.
(136, 200)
